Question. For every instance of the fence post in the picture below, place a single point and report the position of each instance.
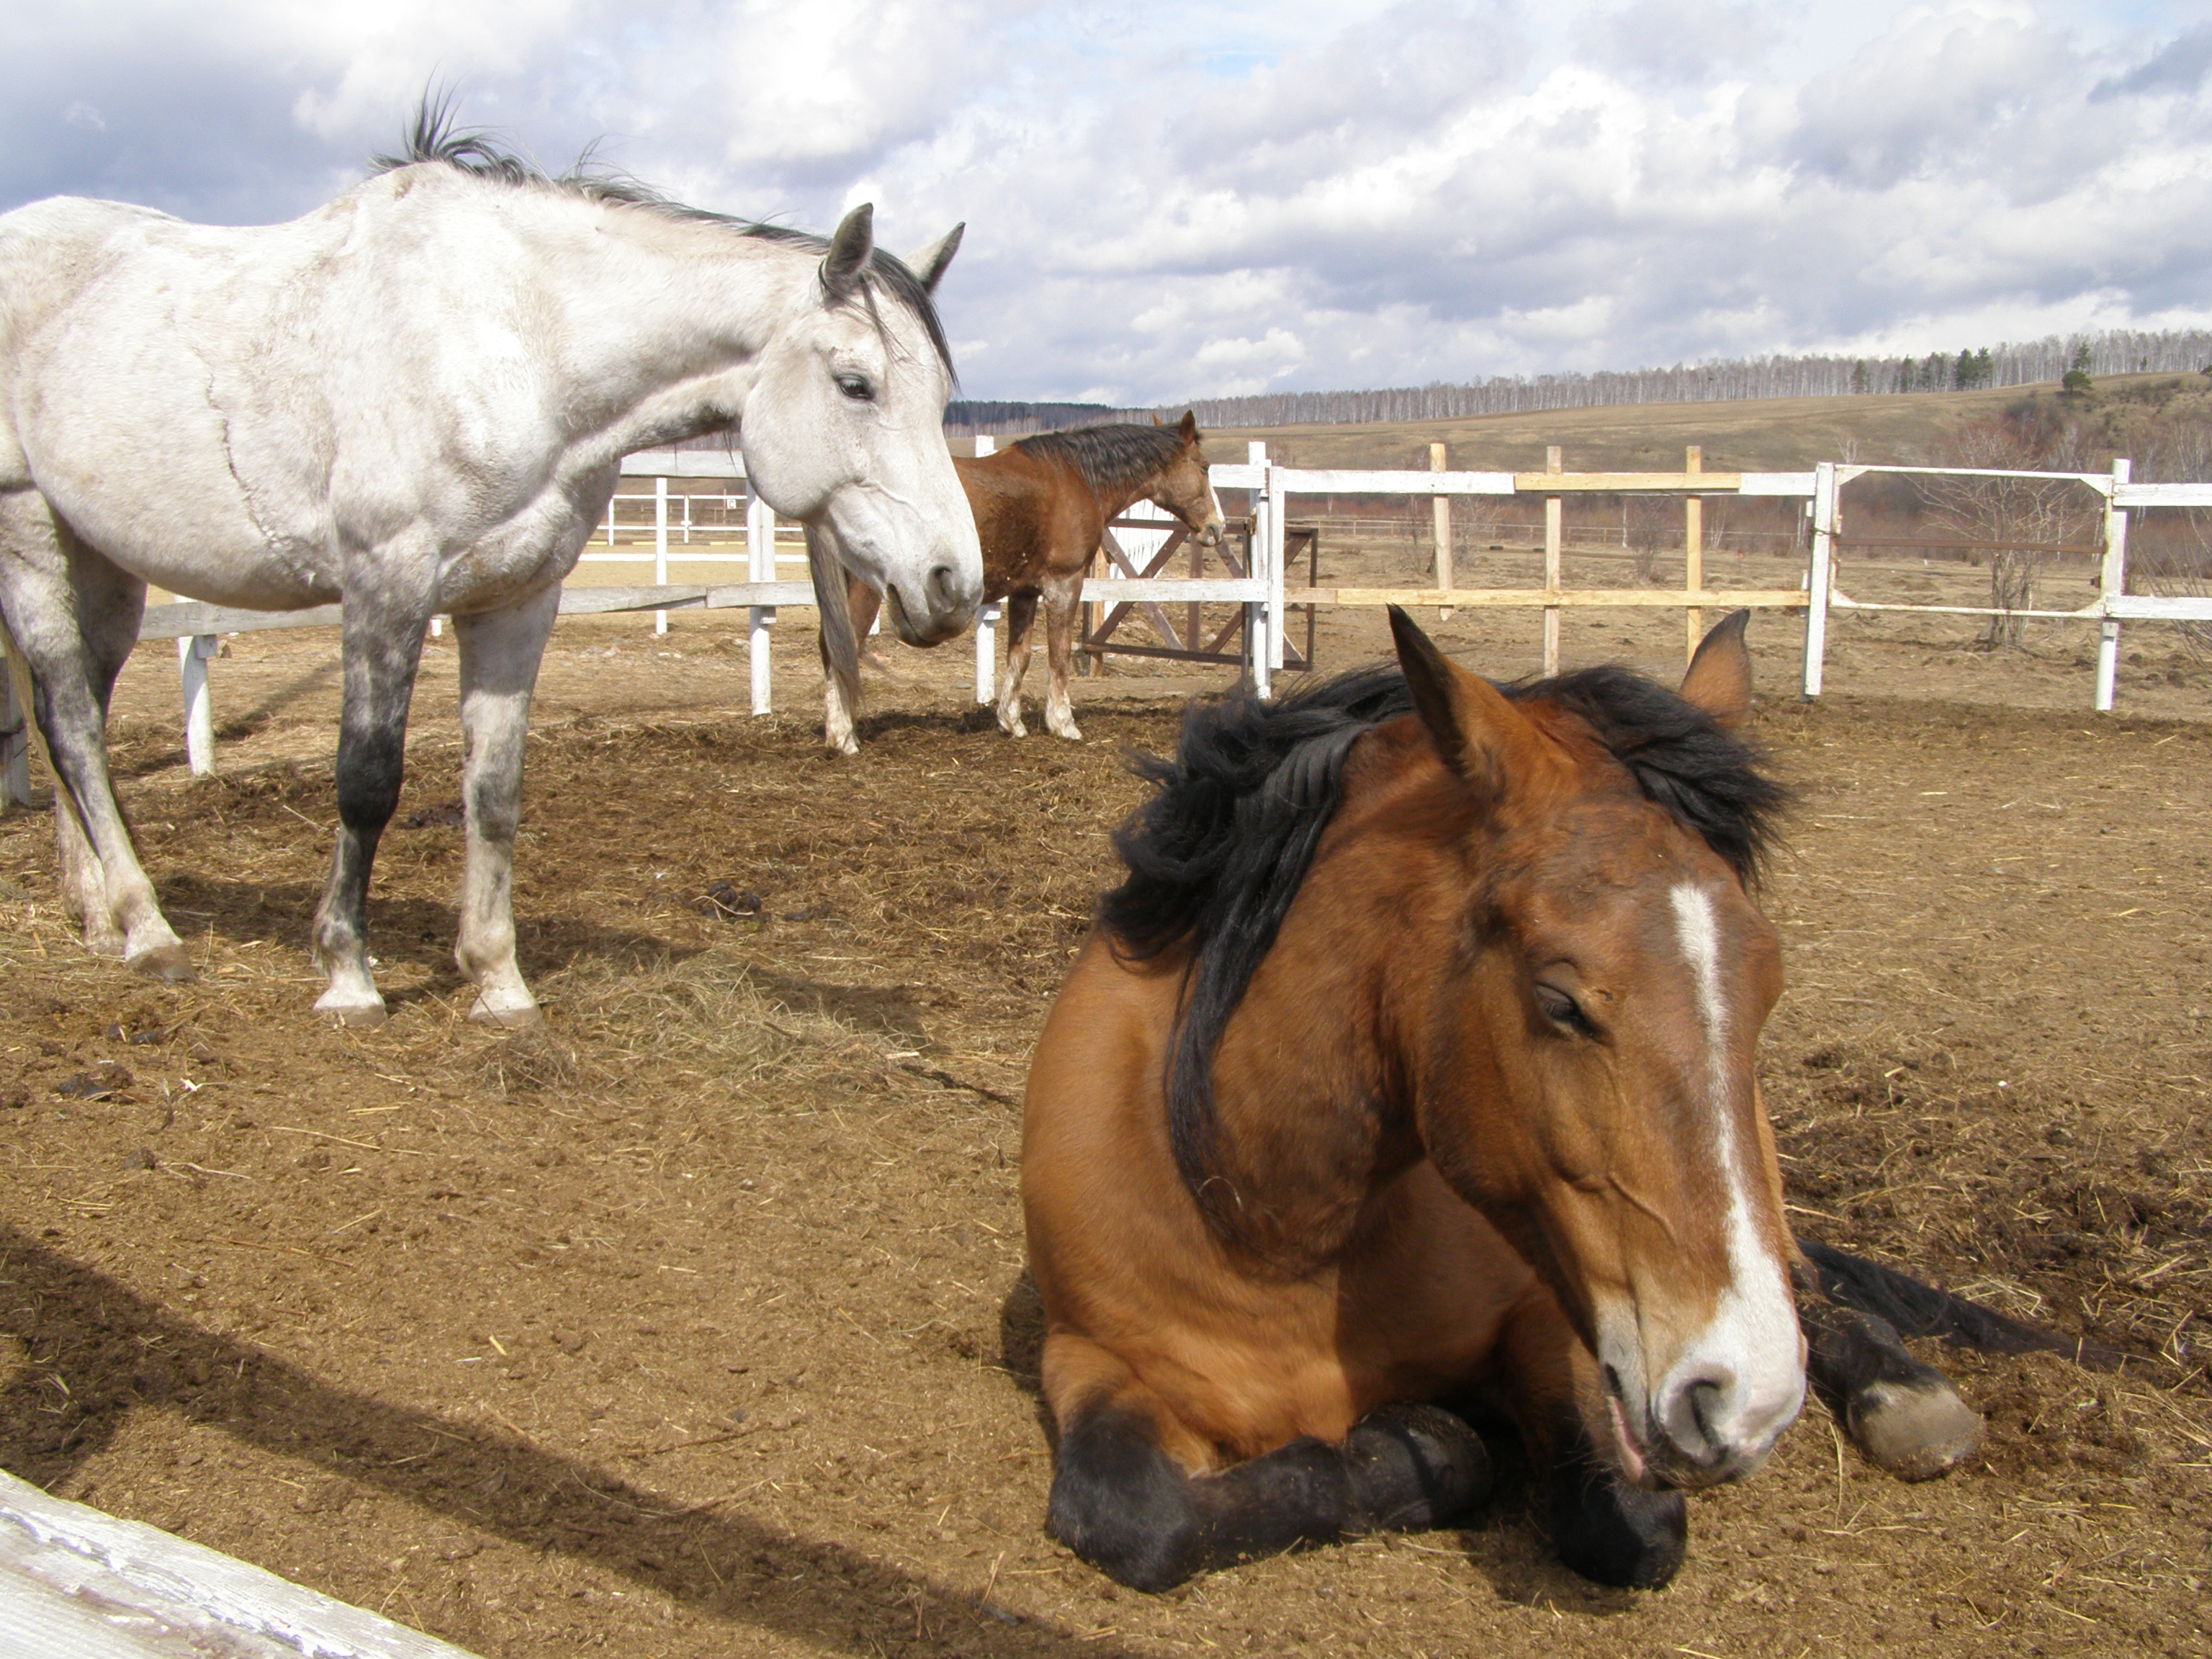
(1693, 547)
(14, 734)
(1440, 520)
(1259, 641)
(1279, 527)
(986, 614)
(1817, 576)
(193, 651)
(660, 547)
(760, 567)
(2111, 582)
(1555, 460)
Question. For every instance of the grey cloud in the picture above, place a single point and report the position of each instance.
(2179, 66)
(1936, 91)
(1680, 43)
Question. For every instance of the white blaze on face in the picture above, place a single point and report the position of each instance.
(1740, 1381)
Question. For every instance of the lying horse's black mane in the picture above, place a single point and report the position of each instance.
(435, 136)
(1118, 455)
(1217, 854)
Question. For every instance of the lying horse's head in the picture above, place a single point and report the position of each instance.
(1584, 1072)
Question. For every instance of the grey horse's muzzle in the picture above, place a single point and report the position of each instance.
(945, 606)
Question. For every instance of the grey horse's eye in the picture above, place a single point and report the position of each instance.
(858, 387)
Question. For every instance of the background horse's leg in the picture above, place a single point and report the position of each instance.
(382, 649)
(1062, 605)
(861, 603)
(1021, 611)
(500, 652)
(74, 616)
(1123, 1500)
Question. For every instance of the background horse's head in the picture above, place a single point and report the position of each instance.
(843, 429)
(1185, 487)
(1586, 1069)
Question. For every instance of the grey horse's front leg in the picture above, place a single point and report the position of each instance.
(500, 653)
(383, 646)
(74, 616)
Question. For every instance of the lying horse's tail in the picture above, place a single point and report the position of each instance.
(1919, 1310)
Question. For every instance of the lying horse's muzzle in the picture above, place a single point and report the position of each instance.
(945, 606)
(1701, 1432)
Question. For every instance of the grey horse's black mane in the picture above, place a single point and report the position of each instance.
(1118, 456)
(435, 136)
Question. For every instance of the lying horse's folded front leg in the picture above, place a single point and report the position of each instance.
(1120, 1502)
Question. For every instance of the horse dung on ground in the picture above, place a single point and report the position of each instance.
(415, 400)
(1041, 508)
(1408, 1078)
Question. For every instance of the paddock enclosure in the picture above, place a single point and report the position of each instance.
(695, 1324)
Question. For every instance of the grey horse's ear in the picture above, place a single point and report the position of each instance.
(848, 253)
(928, 264)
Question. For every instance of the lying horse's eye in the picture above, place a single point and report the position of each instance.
(857, 387)
(1563, 1010)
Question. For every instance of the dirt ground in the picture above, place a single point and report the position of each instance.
(696, 1325)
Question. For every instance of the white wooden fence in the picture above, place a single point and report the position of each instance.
(197, 628)
(75, 1583)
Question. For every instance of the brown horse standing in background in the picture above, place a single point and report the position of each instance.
(1413, 1063)
(1041, 508)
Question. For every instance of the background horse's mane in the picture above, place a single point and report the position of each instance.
(1217, 855)
(1116, 456)
(436, 137)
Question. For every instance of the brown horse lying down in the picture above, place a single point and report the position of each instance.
(1040, 507)
(1413, 1063)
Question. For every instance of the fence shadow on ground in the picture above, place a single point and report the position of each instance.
(118, 1353)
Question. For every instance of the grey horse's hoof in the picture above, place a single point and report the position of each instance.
(354, 1015)
(528, 1019)
(171, 964)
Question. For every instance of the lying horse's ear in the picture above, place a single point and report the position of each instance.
(1189, 426)
(1719, 680)
(848, 253)
(1474, 727)
(929, 263)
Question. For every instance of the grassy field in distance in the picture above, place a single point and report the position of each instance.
(1749, 435)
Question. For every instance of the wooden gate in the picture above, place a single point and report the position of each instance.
(1102, 622)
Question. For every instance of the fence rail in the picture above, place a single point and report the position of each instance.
(1262, 592)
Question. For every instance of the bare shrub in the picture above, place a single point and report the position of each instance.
(2022, 520)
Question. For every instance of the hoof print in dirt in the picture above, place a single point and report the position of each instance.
(449, 816)
(726, 903)
(102, 1081)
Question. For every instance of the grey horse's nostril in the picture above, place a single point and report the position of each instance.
(942, 587)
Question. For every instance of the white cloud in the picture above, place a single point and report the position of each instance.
(1220, 195)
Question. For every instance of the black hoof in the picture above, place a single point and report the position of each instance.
(1617, 1534)
(1414, 1465)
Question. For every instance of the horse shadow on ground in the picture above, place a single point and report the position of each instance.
(167, 756)
(886, 1010)
(117, 1353)
(409, 934)
(1503, 1540)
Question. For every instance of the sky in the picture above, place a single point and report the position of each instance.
(1217, 198)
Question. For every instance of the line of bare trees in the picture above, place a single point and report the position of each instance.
(2115, 351)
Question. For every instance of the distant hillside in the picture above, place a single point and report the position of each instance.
(2112, 352)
